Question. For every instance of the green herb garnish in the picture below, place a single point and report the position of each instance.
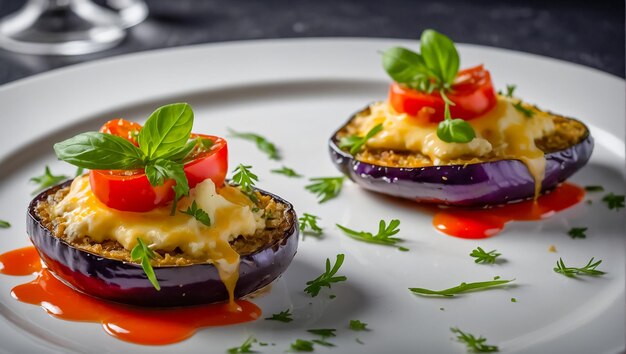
(527, 112)
(283, 316)
(355, 143)
(357, 325)
(308, 225)
(197, 213)
(246, 180)
(454, 130)
(474, 345)
(79, 171)
(287, 172)
(594, 188)
(324, 332)
(513, 299)
(4, 224)
(382, 237)
(461, 288)
(577, 232)
(510, 89)
(614, 201)
(246, 347)
(261, 143)
(325, 188)
(326, 278)
(47, 180)
(434, 68)
(163, 145)
(588, 269)
(484, 257)
(143, 253)
(301, 345)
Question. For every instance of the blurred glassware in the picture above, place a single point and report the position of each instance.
(69, 27)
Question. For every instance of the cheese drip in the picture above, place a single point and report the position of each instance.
(229, 210)
(501, 133)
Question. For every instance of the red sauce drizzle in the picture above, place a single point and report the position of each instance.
(22, 261)
(131, 324)
(483, 223)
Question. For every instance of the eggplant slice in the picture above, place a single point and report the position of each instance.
(181, 285)
(482, 184)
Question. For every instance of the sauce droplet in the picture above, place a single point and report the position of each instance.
(22, 261)
(483, 223)
(151, 326)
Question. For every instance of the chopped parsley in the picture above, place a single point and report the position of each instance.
(357, 325)
(246, 180)
(527, 112)
(197, 213)
(355, 143)
(141, 252)
(308, 225)
(301, 345)
(382, 237)
(327, 278)
(577, 232)
(283, 316)
(323, 332)
(245, 347)
(484, 257)
(47, 180)
(287, 172)
(261, 143)
(614, 201)
(588, 269)
(4, 224)
(474, 345)
(594, 188)
(325, 188)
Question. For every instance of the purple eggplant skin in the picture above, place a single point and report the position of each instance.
(126, 283)
(473, 185)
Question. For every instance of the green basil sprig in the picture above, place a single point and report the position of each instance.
(454, 130)
(163, 145)
(435, 68)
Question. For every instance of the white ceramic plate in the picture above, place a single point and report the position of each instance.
(296, 92)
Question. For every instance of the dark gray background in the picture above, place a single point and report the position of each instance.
(589, 32)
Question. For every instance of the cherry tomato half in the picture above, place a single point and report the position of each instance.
(122, 128)
(131, 190)
(472, 93)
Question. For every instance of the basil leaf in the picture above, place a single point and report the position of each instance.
(99, 151)
(166, 130)
(440, 56)
(160, 170)
(181, 153)
(455, 131)
(404, 66)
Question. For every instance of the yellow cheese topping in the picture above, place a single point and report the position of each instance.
(229, 210)
(501, 133)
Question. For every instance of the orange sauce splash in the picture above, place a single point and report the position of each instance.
(132, 324)
(22, 261)
(483, 223)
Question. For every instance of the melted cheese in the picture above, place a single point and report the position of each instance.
(501, 133)
(229, 210)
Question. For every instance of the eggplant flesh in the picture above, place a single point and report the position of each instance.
(186, 285)
(481, 184)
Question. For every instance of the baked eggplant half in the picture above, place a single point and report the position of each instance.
(445, 136)
(105, 269)
(464, 181)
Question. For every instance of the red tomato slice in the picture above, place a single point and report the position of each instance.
(131, 190)
(122, 128)
(472, 93)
